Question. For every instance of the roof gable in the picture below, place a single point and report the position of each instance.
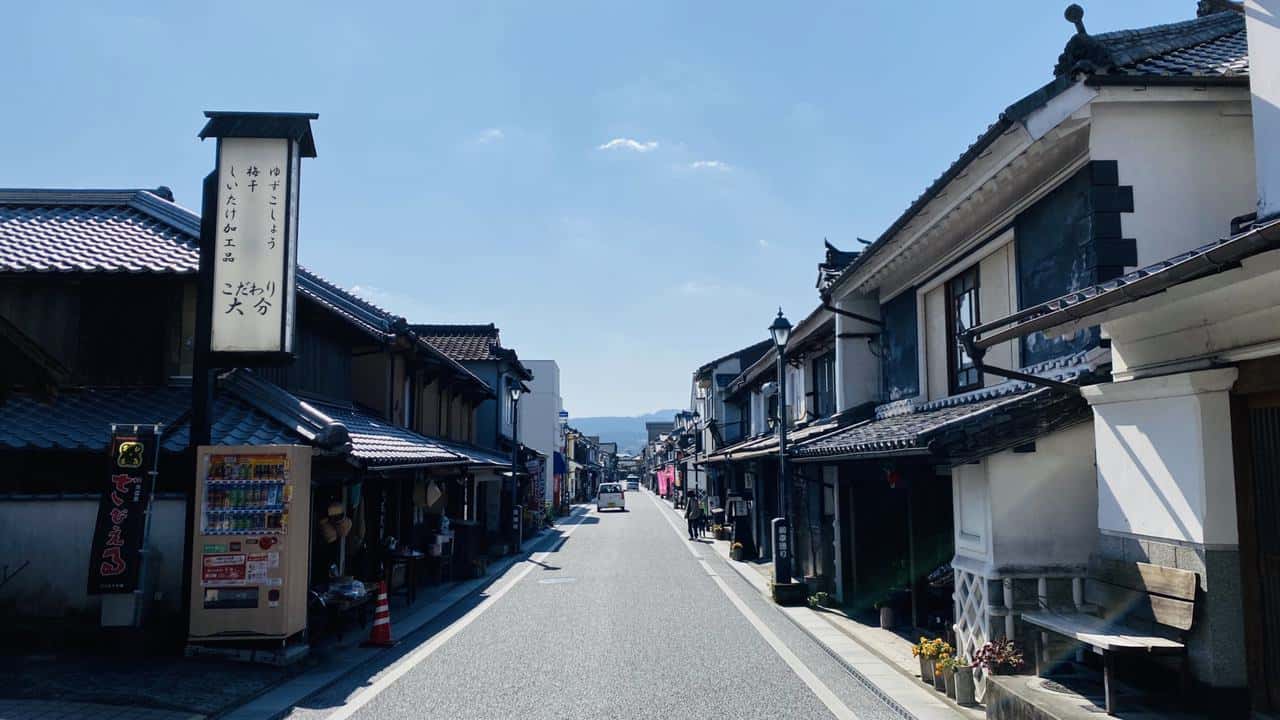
(1210, 47)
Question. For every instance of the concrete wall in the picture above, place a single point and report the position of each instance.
(55, 535)
(1190, 164)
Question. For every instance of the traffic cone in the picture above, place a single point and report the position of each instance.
(380, 634)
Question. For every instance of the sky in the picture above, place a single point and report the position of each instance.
(630, 189)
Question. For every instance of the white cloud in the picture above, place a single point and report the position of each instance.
(764, 243)
(709, 165)
(629, 144)
(489, 135)
(693, 287)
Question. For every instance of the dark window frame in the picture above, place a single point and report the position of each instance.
(962, 376)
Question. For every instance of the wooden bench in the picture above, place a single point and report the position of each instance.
(1125, 608)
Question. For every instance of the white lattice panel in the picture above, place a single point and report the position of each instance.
(973, 613)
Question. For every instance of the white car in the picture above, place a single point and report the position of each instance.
(633, 483)
(611, 496)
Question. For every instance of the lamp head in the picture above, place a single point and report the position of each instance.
(780, 331)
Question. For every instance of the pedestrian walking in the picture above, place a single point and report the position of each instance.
(692, 515)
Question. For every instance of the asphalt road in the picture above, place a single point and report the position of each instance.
(618, 619)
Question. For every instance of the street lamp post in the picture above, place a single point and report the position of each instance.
(516, 517)
(780, 332)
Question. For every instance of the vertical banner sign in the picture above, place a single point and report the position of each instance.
(114, 562)
(255, 257)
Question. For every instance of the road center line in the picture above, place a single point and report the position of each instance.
(408, 662)
(819, 688)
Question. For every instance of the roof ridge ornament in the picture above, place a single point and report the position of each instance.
(1209, 7)
(1084, 53)
(1075, 15)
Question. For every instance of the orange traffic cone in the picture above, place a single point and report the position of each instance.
(380, 635)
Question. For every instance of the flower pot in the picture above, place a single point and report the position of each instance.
(949, 682)
(886, 618)
(926, 670)
(736, 554)
(964, 686)
(939, 683)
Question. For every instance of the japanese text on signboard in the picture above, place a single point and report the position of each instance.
(252, 257)
(114, 561)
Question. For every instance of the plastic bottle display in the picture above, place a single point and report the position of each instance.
(245, 495)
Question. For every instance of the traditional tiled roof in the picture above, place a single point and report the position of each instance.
(378, 442)
(746, 356)
(79, 419)
(59, 232)
(478, 456)
(463, 342)
(145, 232)
(1211, 47)
(470, 343)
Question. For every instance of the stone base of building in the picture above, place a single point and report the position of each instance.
(792, 594)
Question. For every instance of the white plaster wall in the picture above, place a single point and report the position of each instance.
(996, 299)
(1044, 503)
(935, 343)
(857, 368)
(1264, 82)
(1190, 164)
(1165, 466)
(971, 511)
(55, 535)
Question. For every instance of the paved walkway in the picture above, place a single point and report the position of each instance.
(327, 664)
(873, 654)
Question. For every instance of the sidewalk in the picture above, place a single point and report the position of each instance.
(195, 688)
(881, 659)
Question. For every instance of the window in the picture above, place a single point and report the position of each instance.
(962, 314)
(824, 385)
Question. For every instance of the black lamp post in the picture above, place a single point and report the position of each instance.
(514, 391)
(780, 332)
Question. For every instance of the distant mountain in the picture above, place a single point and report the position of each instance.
(628, 432)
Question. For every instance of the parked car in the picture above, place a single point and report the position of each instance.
(611, 496)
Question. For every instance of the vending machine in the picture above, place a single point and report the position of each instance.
(251, 551)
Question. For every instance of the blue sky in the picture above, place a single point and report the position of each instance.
(629, 189)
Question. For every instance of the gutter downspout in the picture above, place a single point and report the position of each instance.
(977, 353)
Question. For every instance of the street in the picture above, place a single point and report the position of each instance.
(622, 620)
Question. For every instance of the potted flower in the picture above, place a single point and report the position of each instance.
(940, 672)
(962, 677)
(736, 551)
(886, 614)
(929, 651)
(998, 657)
(951, 668)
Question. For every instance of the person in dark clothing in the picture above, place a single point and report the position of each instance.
(693, 515)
